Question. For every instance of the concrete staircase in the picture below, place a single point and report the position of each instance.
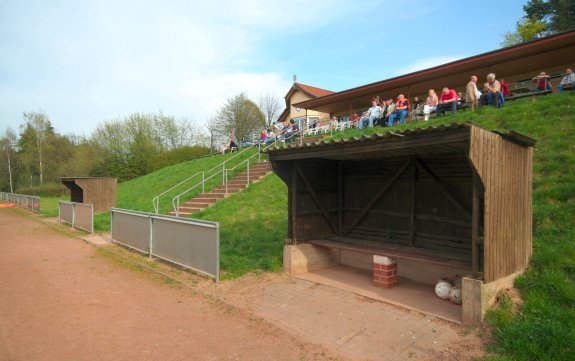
(235, 185)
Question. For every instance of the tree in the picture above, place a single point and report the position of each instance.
(40, 128)
(557, 15)
(542, 18)
(526, 29)
(239, 114)
(7, 144)
(271, 106)
(212, 128)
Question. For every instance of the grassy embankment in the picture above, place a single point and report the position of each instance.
(137, 193)
(253, 225)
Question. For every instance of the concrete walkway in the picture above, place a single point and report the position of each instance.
(352, 325)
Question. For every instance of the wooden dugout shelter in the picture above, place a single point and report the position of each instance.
(450, 197)
(100, 192)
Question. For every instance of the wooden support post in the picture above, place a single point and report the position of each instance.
(294, 191)
(413, 198)
(445, 192)
(377, 197)
(340, 198)
(475, 216)
(315, 198)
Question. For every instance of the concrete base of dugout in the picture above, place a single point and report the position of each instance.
(414, 288)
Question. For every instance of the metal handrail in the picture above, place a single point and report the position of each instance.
(224, 171)
(156, 199)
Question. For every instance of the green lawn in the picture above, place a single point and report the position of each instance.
(253, 225)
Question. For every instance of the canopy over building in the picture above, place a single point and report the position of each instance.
(516, 63)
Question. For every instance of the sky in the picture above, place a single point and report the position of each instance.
(83, 62)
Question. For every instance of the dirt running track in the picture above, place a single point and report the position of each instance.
(60, 301)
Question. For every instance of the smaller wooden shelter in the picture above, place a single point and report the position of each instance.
(454, 197)
(100, 192)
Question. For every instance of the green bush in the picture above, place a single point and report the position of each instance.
(179, 155)
(45, 190)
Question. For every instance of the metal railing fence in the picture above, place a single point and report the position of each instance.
(205, 175)
(190, 243)
(235, 169)
(31, 203)
(79, 215)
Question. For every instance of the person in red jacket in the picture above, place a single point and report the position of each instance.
(505, 88)
(447, 101)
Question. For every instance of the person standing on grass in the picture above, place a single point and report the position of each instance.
(568, 80)
(447, 101)
(401, 110)
(471, 93)
(430, 104)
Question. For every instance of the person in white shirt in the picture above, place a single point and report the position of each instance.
(430, 105)
(568, 79)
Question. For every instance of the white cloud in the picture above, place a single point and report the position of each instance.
(105, 59)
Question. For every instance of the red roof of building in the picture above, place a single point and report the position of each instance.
(312, 90)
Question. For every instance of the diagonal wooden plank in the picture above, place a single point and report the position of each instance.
(443, 190)
(377, 197)
(315, 198)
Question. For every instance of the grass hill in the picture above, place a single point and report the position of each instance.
(254, 223)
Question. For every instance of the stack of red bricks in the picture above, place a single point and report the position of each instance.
(384, 271)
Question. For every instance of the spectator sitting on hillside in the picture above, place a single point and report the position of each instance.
(390, 108)
(542, 81)
(430, 104)
(291, 131)
(372, 114)
(354, 119)
(263, 136)
(333, 123)
(505, 88)
(471, 93)
(271, 137)
(492, 92)
(401, 110)
(460, 99)
(567, 81)
(447, 101)
(417, 106)
(230, 147)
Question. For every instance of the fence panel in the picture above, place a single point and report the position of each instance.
(84, 217)
(79, 215)
(191, 244)
(31, 203)
(131, 229)
(66, 212)
(194, 244)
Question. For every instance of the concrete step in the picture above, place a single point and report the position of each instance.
(182, 214)
(206, 200)
(190, 209)
(209, 196)
(194, 204)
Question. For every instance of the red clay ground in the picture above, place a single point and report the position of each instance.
(60, 301)
(63, 299)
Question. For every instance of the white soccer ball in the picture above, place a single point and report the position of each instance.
(455, 295)
(443, 288)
